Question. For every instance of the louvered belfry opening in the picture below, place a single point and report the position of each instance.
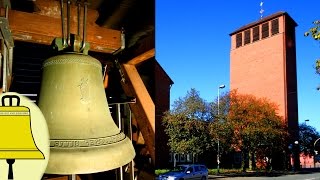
(26, 68)
(256, 33)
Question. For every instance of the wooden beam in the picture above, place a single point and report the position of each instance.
(52, 8)
(143, 109)
(142, 57)
(141, 46)
(42, 29)
(61, 177)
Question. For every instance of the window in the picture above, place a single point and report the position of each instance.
(265, 30)
(182, 158)
(190, 169)
(189, 157)
(197, 168)
(170, 157)
(247, 38)
(176, 157)
(256, 34)
(239, 40)
(275, 26)
(203, 168)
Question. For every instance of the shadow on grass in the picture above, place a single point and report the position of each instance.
(262, 173)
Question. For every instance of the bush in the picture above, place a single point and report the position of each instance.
(223, 171)
(161, 171)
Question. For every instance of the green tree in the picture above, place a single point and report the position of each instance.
(307, 136)
(224, 105)
(191, 106)
(314, 32)
(186, 124)
(220, 129)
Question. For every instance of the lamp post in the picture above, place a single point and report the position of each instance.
(295, 156)
(305, 121)
(315, 152)
(294, 159)
(218, 154)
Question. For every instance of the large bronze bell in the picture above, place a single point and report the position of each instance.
(83, 136)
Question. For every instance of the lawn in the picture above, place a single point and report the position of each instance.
(211, 171)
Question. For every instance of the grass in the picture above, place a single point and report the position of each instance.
(161, 171)
(250, 173)
(211, 171)
(224, 171)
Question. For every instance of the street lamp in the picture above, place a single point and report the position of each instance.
(294, 150)
(305, 121)
(218, 154)
(220, 87)
(297, 155)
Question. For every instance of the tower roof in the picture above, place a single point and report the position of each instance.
(267, 18)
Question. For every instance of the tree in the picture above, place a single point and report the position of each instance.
(307, 136)
(245, 123)
(220, 128)
(257, 127)
(224, 105)
(191, 106)
(314, 32)
(186, 124)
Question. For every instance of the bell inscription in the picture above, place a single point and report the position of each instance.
(84, 90)
(71, 143)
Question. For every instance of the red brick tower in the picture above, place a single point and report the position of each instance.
(263, 63)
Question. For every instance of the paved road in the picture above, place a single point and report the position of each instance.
(304, 176)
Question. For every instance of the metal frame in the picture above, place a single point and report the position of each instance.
(6, 55)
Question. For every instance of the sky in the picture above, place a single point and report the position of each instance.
(193, 46)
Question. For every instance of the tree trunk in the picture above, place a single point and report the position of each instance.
(243, 160)
(269, 164)
(252, 160)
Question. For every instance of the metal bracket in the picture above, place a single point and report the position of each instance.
(119, 51)
(7, 45)
(118, 66)
(5, 32)
(58, 45)
(72, 42)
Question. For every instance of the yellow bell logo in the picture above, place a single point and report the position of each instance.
(16, 140)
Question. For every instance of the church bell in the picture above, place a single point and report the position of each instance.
(83, 136)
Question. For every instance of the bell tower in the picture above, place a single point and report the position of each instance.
(263, 63)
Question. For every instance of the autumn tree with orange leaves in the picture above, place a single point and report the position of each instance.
(257, 128)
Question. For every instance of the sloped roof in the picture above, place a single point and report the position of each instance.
(158, 64)
(267, 18)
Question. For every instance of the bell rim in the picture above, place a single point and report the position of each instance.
(77, 162)
(87, 143)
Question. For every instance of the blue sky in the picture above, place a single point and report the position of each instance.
(193, 45)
